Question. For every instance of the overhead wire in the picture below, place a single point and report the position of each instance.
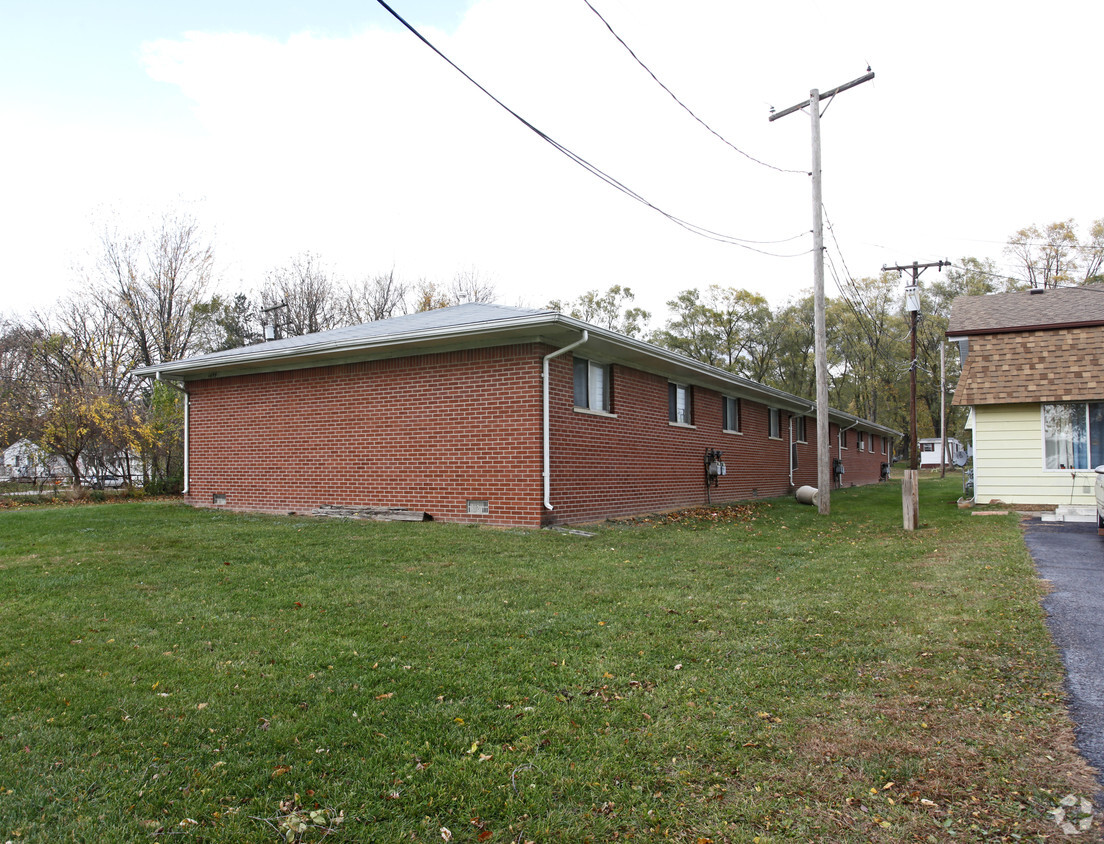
(684, 106)
(593, 169)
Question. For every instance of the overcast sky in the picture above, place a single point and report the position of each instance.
(284, 128)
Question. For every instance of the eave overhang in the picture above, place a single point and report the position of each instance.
(547, 327)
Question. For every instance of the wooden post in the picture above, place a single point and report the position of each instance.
(910, 498)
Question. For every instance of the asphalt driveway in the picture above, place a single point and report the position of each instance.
(1071, 556)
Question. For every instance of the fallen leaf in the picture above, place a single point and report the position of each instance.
(385, 696)
(280, 770)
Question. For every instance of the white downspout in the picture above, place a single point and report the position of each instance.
(187, 407)
(839, 445)
(812, 408)
(547, 446)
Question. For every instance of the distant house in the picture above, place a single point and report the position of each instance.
(1033, 378)
(955, 453)
(24, 460)
(507, 416)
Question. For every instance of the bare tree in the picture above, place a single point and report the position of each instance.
(470, 286)
(305, 295)
(155, 284)
(376, 298)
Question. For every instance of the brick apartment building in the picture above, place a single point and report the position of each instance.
(503, 416)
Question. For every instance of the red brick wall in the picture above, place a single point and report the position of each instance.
(430, 432)
(426, 432)
(638, 462)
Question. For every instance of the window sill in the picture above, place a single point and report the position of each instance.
(683, 425)
(586, 411)
(730, 431)
(775, 438)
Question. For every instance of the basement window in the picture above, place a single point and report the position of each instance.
(478, 507)
(218, 498)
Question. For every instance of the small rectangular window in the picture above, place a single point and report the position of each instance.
(730, 414)
(478, 507)
(592, 385)
(843, 439)
(775, 423)
(679, 403)
(799, 429)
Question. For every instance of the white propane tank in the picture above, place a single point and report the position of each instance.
(806, 495)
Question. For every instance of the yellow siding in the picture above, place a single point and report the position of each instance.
(1008, 460)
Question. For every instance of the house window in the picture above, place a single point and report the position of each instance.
(1073, 435)
(885, 445)
(927, 446)
(592, 385)
(775, 423)
(843, 439)
(730, 414)
(799, 429)
(679, 403)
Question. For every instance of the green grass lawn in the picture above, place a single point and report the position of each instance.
(750, 673)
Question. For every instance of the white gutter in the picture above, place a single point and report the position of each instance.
(547, 446)
(187, 407)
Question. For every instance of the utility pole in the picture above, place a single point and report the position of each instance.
(909, 488)
(824, 449)
(912, 302)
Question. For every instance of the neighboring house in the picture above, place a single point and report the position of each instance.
(25, 460)
(1033, 378)
(481, 413)
(955, 455)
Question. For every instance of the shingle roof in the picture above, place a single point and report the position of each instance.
(462, 326)
(471, 313)
(1027, 310)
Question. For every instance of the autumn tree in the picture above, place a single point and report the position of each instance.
(868, 345)
(466, 286)
(723, 327)
(1055, 255)
(611, 310)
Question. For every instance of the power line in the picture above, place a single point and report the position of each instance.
(593, 169)
(685, 107)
